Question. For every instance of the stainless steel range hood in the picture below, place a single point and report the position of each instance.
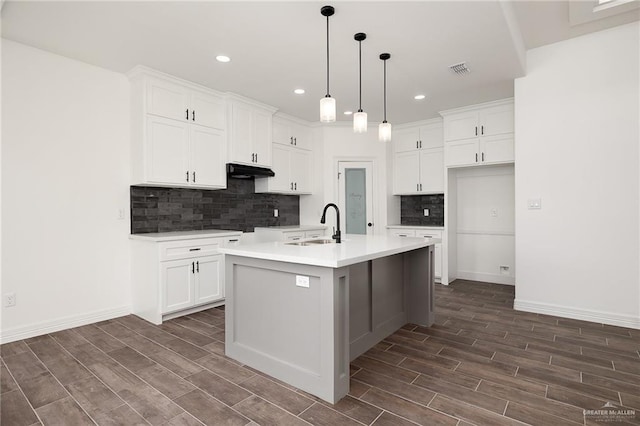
(242, 171)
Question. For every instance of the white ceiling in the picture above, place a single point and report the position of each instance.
(276, 47)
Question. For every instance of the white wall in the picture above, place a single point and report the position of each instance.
(485, 241)
(337, 142)
(577, 137)
(65, 175)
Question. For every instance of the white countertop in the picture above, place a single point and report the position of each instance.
(291, 228)
(353, 249)
(184, 235)
(439, 228)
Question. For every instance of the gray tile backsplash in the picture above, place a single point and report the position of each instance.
(156, 209)
(412, 210)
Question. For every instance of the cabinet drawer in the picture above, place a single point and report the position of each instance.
(294, 236)
(402, 232)
(314, 234)
(188, 249)
(428, 234)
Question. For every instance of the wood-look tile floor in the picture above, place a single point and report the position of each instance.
(481, 363)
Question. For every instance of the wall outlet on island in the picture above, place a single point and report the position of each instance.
(275, 212)
(425, 212)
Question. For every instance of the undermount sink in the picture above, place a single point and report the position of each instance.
(310, 242)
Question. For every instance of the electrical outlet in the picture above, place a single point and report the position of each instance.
(534, 203)
(504, 270)
(302, 281)
(494, 212)
(120, 214)
(426, 212)
(9, 300)
(275, 212)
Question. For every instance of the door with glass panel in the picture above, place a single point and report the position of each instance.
(355, 182)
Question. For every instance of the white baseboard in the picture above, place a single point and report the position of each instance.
(45, 327)
(600, 317)
(487, 278)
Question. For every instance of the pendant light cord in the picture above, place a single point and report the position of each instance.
(385, 91)
(328, 56)
(360, 65)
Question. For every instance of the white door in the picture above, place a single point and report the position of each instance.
(242, 134)
(497, 149)
(208, 153)
(406, 172)
(167, 151)
(300, 171)
(168, 100)
(461, 153)
(262, 138)
(432, 170)
(355, 183)
(177, 282)
(282, 181)
(208, 111)
(209, 271)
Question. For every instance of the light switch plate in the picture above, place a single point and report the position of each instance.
(275, 212)
(302, 281)
(534, 203)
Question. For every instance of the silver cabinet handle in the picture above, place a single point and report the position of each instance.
(187, 175)
(292, 186)
(417, 144)
(193, 115)
(194, 176)
(295, 186)
(476, 130)
(295, 141)
(197, 266)
(187, 111)
(482, 130)
(476, 157)
(483, 157)
(193, 267)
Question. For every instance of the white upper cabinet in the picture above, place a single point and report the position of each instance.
(289, 132)
(251, 132)
(178, 132)
(292, 168)
(479, 134)
(181, 103)
(419, 160)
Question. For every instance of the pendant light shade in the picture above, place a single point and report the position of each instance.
(384, 132)
(360, 117)
(384, 129)
(327, 104)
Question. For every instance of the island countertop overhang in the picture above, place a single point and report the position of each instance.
(353, 249)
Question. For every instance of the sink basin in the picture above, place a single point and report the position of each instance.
(310, 242)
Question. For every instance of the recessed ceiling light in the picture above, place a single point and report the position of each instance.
(419, 97)
(222, 58)
(299, 91)
(348, 112)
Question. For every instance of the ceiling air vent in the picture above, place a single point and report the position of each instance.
(460, 68)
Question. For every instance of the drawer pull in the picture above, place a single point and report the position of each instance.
(233, 241)
(198, 266)
(195, 249)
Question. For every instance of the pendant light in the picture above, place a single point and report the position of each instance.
(327, 104)
(384, 129)
(360, 117)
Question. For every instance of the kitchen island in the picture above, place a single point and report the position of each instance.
(301, 311)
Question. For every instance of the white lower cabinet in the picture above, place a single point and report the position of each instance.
(190, 282)
(424, 233)
(290, 233)
(171, 277)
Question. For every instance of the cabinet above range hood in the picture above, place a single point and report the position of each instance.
(242, 171)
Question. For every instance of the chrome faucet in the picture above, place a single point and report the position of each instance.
(336, 235)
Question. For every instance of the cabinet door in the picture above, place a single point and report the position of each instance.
(432, 170)
(282, 181)
(406, 172)
(301, 137)
(405, 139)
(241, 148)
(177, 283)
(461, 153)
(167, 100)
(207, 110)
(262, 138)
(208, 157)
(209, 279)
(461, 126)
(300, 166)
(282, 133)
(431, 136)
(497, 149)
(167, 151)
(496, 120)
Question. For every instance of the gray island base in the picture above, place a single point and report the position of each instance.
(303, 318)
